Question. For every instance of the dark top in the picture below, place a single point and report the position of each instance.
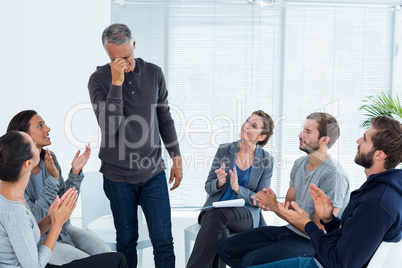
(131, 118)
(373, 215)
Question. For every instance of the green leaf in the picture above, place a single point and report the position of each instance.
(382, 104)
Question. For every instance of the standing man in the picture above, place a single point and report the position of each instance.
(271, 243)
(129, 97)
(374, 213)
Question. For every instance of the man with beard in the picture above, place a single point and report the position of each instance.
(374, 213)
(273, 243)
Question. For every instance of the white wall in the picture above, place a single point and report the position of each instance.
(49, 48)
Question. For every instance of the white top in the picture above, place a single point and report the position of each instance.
(19, 237)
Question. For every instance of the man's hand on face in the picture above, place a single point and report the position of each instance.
(118, 67)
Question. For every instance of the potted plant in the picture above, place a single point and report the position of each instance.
(382, 104)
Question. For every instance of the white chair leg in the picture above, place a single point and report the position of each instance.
(139, 255)
(187, 243)
(190, 234)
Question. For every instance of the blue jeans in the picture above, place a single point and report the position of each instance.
(153, 197)
(263, 245)
(290, 263)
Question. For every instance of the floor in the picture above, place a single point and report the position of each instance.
(181, 219)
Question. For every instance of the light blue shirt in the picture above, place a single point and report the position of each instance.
(38, 183)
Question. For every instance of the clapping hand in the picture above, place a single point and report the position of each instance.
(50, 166)
(221, 175)
(62, 208)
(295, 217)
(58, 200)
(266, 200)
(234, 180)
(322, 203)
(79, 161)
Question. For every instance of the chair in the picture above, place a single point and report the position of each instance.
(96, 205)
(190, 233)
(388, 254)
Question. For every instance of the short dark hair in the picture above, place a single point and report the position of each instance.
(327, 126)
(14, 151)
(117, 34)
(20, 122)
(388, 138)
(268, 128)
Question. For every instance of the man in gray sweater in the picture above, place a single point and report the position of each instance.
(129, 98)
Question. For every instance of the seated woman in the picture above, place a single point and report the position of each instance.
(46, 182)
(250, 168)
(19, 231)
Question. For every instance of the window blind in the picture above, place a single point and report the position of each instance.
(224, 59)
(335, 56)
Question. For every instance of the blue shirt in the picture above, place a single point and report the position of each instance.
(243, 177)
(38, 183)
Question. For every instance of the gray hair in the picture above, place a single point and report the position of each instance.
(117, 34)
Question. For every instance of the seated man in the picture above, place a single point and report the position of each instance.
(374, 213)
(273, 243)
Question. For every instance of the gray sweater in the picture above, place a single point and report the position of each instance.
(51, 188)
(132, 118)
(19, 237)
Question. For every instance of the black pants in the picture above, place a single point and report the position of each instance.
(109, 260)
(216, 224)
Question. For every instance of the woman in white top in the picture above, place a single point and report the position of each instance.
(19, 232)
(46, 182)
